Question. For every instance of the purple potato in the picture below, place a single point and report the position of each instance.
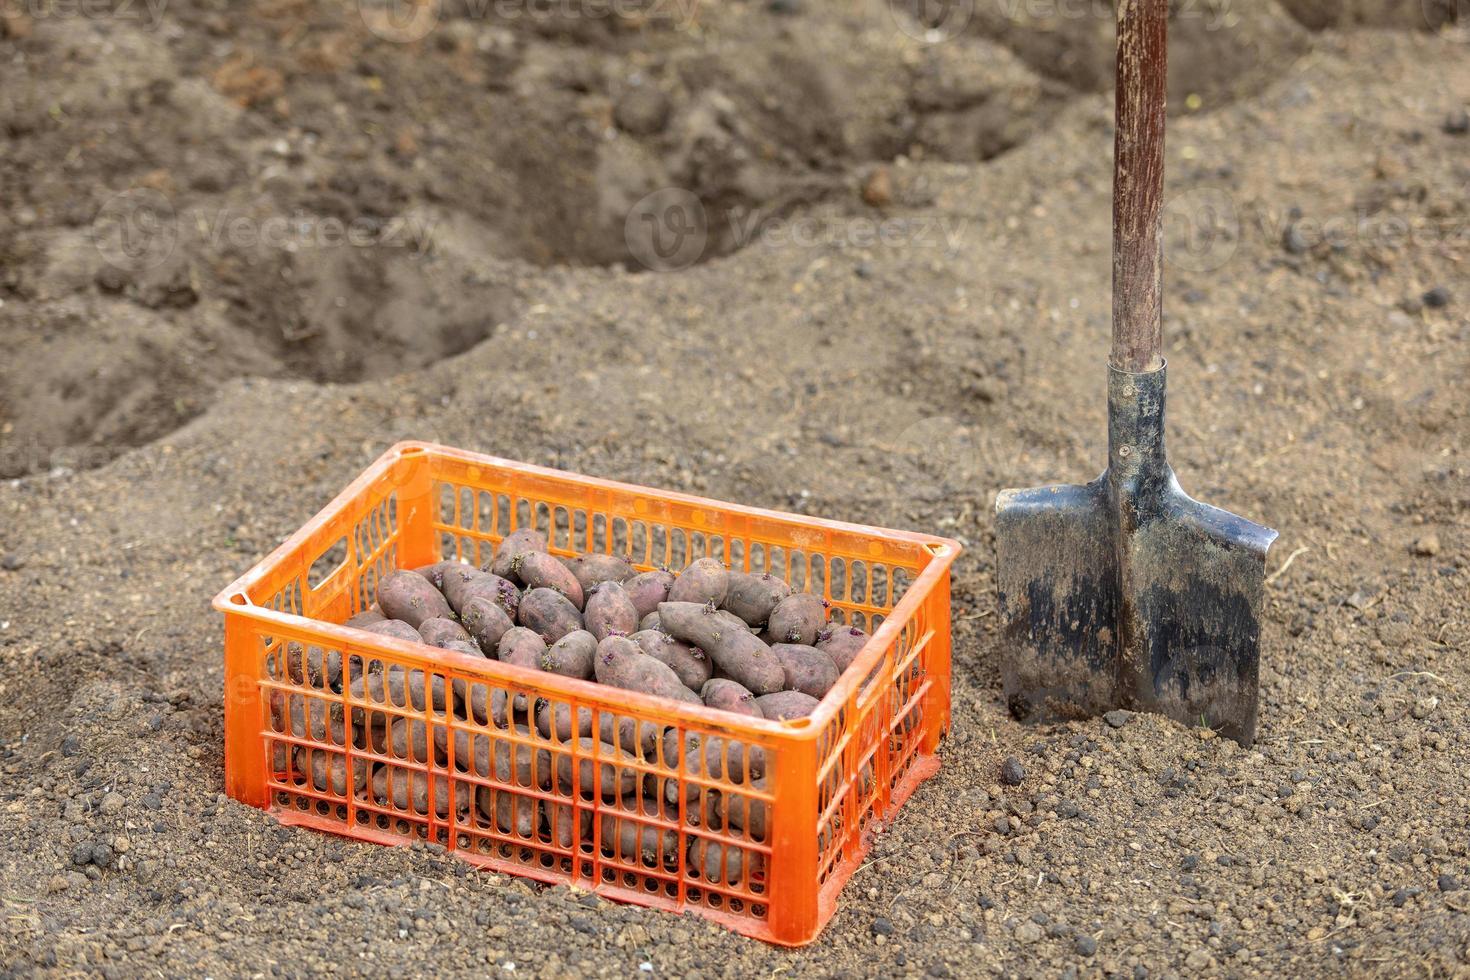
(549, 613)
(496, 757)
(688, 662)
(786, 705)
(516, 543)
(509, 813)
(648, 589)
(412, 598)
(622, 663)
(797, 618)
(698, 624)
(705, 580)
(615, 781)
(592, 570)
(842, 644)
(366, 618)
(609, 611)
(572, 655)
(623, 731)
(718, 692)
(753, 597)
(632, 840)
(749, 661)
(408, 789)
(395, 628)
(522, 647)
(437, 632)
(538, 570)
(327, 771)
(722, 863)
(808, 669)
(486, 623)
(435, 572)
(465, 582)
(710, 756)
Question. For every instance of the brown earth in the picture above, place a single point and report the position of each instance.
(246, 246)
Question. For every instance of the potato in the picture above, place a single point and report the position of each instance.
(366, 618)
(622, 663)
(549, 613)
(748, 661)
(620, 731)
(634, 841)
(786, 705)
(310, 668)
(808, 669)
(616, 780)
(568, 825)
(412, 598)
(718, 862)
(705, 580)
(327, 771)
(436, 631)
(486, 623)
(727, 695)
(698, 624)
(465, 582)
(648, 589)
(649, 622)
(609, 610)
(689, 663)
(407, 739)
(711, 756)
(408, 789)
(538, 570)
(493, 757)
(303, 716)
(507, 812)
(842, 644)
(481, 703)
(753, 597)
(516, 543)
(435, 572)
(797, 618)
(740, 812)
(521, 647)
(397, 686)
(572, 655)
(395, 628)
(593, 569)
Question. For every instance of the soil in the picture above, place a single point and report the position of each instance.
(246, 246)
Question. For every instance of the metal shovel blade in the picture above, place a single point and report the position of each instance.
(1127, 593)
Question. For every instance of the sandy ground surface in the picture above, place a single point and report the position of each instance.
(895, 305)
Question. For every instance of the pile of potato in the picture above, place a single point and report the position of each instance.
(735, 641)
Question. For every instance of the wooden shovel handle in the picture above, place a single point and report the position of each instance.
(1138, 185)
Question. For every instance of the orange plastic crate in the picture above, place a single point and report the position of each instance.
(550, 808)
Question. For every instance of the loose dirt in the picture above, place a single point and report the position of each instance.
(246, 246)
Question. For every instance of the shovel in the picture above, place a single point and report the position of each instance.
(1125, 592)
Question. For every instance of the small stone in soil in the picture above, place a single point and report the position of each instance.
(1449, 883)
(1117, 718)
(882, 927)
(1086, 946)
(1011, 772)
(1437, 298)
(1426, 546)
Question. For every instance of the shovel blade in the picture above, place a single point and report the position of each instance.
(1057, 577)
(1107, 604)
(1193, 579)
